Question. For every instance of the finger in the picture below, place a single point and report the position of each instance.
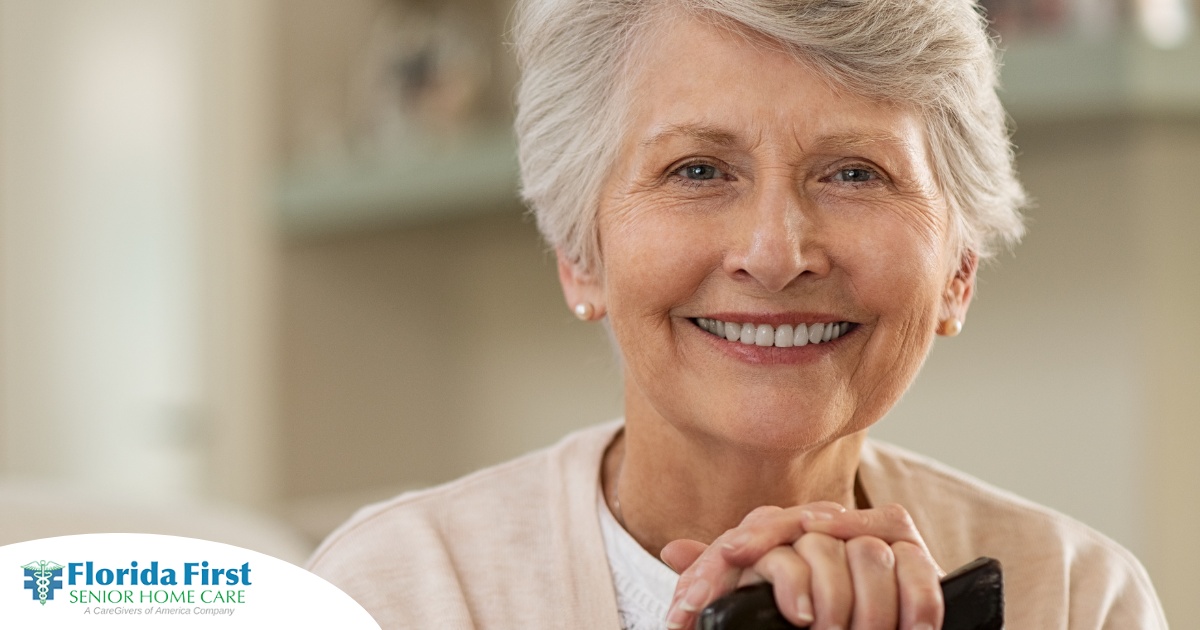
(891, 523)
(699, 594)
(832, 588)
(762, 531)
(873, 573)
(682, 613)
(791, 581)
(750, 578)
(681, 554)
(921, 604)
(712, 575)
(708, 578)
(759, 513)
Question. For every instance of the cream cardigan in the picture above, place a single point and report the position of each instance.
(519, 546)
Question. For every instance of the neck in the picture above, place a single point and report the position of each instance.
(664, 485)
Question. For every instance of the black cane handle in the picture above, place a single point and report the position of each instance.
(974, 596)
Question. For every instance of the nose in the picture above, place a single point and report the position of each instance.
(775, 239)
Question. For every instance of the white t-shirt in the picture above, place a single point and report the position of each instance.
(643, 583)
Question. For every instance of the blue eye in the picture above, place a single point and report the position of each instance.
(700, 172)
(855, 175)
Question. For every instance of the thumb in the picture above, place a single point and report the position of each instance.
(680, 554)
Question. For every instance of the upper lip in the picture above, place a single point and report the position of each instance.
(775, 319)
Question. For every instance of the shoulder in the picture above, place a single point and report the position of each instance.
(447, 550)
(1057, 570)
(946, 495)
(375, 526)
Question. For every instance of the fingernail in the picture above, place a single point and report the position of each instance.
(804, 609)
(809, 515)
(696, 595)
(675, 617)
(923, 626)
(737, 541)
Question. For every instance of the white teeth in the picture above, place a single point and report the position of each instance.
(783, 336)
(765, 335)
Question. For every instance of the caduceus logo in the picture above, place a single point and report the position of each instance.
(43, 578)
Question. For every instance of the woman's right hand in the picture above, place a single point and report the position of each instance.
(830, 567)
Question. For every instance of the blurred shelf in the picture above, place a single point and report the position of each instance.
(1052, 78)
(1044, 79)
(423, 183)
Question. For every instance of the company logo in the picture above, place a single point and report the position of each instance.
(146, 585)
(42, 578)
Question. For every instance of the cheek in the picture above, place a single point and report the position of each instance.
(894, 277)
(654, 260)
(897, 272)
(896, 256)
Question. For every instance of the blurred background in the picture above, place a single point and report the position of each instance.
(261, 262)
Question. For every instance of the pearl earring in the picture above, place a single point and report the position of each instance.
(585, 311)
(950, 327)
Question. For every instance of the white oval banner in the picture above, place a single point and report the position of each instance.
(153, 581)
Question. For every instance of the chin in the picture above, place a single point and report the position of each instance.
(769, 429)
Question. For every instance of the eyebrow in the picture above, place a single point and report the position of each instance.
(709, 134)
(703, 133)
(859, 139)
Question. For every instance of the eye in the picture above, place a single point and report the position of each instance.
(700, 172)
(855, 175)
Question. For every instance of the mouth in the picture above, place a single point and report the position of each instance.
(780, 336)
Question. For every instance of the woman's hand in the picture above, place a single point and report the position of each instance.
(830, 568)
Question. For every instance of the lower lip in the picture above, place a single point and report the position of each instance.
(771, 355)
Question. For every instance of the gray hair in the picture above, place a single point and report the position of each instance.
(932, 55)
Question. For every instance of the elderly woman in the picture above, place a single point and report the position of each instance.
(775, 205)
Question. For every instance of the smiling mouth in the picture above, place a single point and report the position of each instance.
(783, 336)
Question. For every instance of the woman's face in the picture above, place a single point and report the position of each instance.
(747, 191)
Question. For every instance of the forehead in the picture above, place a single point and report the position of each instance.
(695, 80)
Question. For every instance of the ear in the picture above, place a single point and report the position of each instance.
(579, 286)
(959, 291)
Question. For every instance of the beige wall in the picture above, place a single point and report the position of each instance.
(413, 356)
(1167, 156)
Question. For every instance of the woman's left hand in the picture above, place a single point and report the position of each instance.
(830, 568)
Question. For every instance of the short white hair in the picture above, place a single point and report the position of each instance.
(934, 56)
